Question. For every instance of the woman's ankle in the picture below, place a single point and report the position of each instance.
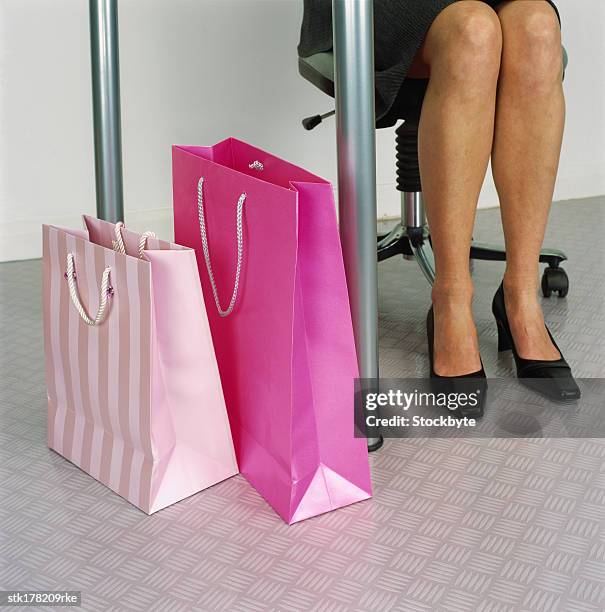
(520, 293)
(457, 292)
(521, 283)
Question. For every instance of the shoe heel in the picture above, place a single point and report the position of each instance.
(504, 343)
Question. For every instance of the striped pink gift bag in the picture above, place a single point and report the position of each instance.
(134, 394)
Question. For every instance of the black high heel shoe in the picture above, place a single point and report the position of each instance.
(551, 378)
(474, 383)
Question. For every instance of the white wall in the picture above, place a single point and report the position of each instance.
(194, 72)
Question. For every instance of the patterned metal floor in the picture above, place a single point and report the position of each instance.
(455, 525)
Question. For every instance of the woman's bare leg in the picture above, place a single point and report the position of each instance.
(527, 143)
(462, 51)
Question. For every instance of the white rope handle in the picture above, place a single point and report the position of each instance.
(104, 293)
(240, 248)
(118, 243)
(120, 247)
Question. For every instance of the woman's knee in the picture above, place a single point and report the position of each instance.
(466, 39)
(532, 49)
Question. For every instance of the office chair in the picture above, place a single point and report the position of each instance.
(411, 236)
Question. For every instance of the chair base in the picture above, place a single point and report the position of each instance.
(411, 242)
(414, 243)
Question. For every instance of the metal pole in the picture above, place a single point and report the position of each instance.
(353, 41)
(106, 108)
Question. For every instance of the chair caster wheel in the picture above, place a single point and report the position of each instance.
(374, 447)
(555, 280)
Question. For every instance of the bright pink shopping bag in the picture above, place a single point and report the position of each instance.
(269, 256)
(134, 393)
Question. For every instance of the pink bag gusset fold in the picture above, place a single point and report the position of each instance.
(269, 256)
(134, 394)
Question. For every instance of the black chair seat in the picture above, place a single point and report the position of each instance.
(318, 69)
